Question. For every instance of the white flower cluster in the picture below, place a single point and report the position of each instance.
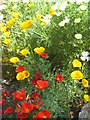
(85, 56)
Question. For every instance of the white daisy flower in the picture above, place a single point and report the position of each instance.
(46, 19)
(62, 23)
(81, 1)
(77, 20)
(85, 56)
(83, 7)
(63, 6)
(67, 20)
(78, 36)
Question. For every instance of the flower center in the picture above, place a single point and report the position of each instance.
(27, 110)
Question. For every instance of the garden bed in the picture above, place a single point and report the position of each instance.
(45, 59)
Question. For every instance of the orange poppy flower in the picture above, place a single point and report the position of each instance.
(59, 78)
(9, 110)
(38, 104)
(35, 96)
(43, 55)
(5, 93)
(43, 114)
(41, 84)
(19, 95)
(27, 108)
(20, 68)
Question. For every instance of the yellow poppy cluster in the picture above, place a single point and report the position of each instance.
(77, 75)
(22, 75)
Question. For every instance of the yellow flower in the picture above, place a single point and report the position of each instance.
(39, 16)
(52, 11)
(24, 52)
(71, 113)
(3, 29)
(76, 63)
(26, 24)
(30, 5)
(15, 15)
(6, 41)
(20, 76)
(10, 23)
(86, 97)
(43, 23)
(26, 74)
(77, 75)
(5, 59)
(6, 34)
(14, 60)
(85, 83)
(39, 50)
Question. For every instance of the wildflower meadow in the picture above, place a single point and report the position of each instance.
(45, 59)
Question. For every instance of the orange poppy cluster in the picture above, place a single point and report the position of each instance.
(25, 107)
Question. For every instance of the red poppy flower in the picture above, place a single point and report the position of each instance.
(9, 110)
(21, 115)
(19, 95)
(43, 55)
(38, 104)
(59, 78)
(44, 114)
(2, 111)
(38, 75)
(20, 68)
(27, 108)
(41, 84)
(2, 101)
(34, 82)
(35, 96)
(5, 93)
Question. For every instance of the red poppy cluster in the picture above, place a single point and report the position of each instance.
(40, 84)
(25, 108)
